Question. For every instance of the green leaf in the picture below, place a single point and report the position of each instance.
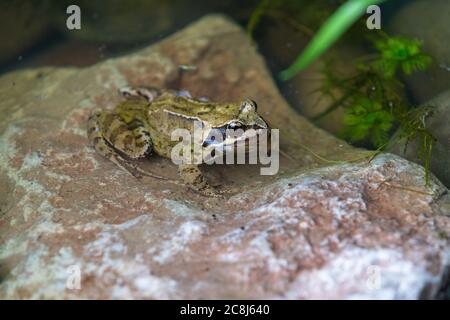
(397, 52)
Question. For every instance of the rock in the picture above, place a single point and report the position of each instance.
(73, 225)
(20, 27)
(413, 20)
(439, 126)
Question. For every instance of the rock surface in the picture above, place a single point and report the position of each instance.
(351, 230)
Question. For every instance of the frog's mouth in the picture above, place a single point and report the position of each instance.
(224, 139)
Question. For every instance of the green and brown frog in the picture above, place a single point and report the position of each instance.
(142, 124)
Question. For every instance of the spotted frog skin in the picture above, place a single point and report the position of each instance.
(142, 125)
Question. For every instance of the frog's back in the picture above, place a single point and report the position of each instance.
(183, 108)
(168, 113)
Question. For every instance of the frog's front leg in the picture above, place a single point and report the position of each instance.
(114, 139)
(194, 178)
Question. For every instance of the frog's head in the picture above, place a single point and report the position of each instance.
(238, 128)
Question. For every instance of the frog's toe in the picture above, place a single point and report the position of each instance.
(195, 180)
(211, 193)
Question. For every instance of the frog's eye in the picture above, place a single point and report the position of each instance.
(248, 105)
(234, 125)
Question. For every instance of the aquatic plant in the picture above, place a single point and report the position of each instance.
(366, 118)
(400, 53)
(413, 127)
(373, 100)
(374, 86)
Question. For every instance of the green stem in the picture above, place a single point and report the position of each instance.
(338, 103)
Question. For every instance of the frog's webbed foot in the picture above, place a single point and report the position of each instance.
(137, 92)
(194, 179)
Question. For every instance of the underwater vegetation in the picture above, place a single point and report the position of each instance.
(373, 100)
(373, 96)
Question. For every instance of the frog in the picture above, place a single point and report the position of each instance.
(141, 125)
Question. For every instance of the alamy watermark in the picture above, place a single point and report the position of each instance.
(73, 281)
(373, 281)
(73, 21)
(374, 20)
(209, 145)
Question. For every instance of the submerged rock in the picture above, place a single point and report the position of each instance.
(137, 22)
(118, 21)
(24, 24)
(305, 90)
(72, 225)
(439, 126)
(427, 20)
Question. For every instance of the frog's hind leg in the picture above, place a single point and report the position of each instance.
(132, 141)
(103, 147)
(119, 142)
(194, 178)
